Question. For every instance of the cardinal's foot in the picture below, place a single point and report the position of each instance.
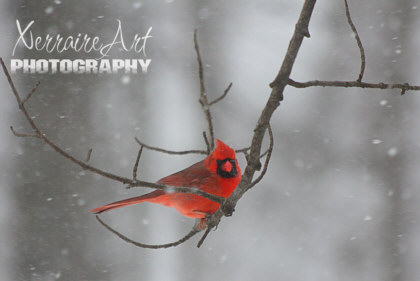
(200, 224)
(203, 224)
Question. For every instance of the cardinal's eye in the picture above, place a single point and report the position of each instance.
(226, 168)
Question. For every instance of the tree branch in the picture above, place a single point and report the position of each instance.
(88, 155)
(359, 42)
(21, 135)
(354, 84)
(136, 164)
(222, 96)
(267, 159)
(31, 92)
(171, 152)
(193, 232)
(203, 95)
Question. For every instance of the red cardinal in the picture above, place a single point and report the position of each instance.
(218, 174)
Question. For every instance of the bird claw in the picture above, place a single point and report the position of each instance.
(203, 224)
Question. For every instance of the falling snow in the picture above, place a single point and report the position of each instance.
(367, 218)
(137, 5)
(81, 202)
(392, 152)
(126, 79)
(49, 10)
(383, 102)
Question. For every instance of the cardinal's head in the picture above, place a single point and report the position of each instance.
(223, 161)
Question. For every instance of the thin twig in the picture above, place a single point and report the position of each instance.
(243, 150)
(31, 92)
(21, 135)
(203, 95)
(12, 85)
(88, 155)
(222, 96)
(265, 153)
(170, 151)
(201, 241)
(352, 84)
(206, 140)
(200, 66)
(148, 246)
(359, 42)
(267, 159)
(137, 163)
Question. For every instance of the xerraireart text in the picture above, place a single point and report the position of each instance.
(81, 43)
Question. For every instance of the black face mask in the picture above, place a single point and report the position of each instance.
(226, 174)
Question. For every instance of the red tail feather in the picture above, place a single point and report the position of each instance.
(127, 202)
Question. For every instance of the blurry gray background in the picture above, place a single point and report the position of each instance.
(340, 200)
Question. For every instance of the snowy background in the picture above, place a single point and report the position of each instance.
(340, 200)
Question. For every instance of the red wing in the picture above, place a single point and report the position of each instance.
(193, 176)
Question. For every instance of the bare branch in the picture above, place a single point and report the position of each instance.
(170, 151)
(206, 140)
(24, 135)
(265, 153)
(243, 150)
(201, 241)
(137, 163)
(148, 246)
(359, 42)
(31, 92)
(353, 84)
(88, 155)
(222, 96)
(12, 85)
(267, 159)
(203, 95)
(200, 67)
